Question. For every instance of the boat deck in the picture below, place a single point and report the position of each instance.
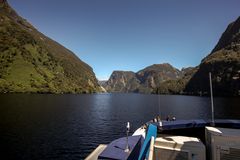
(191, 128)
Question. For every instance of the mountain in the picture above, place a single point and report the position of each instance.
(152, 76)
(224, 64)
(102, 83)
(144, 81)
(32, 62)
(122, 81)
(176, 86)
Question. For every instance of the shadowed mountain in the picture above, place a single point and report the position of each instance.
(224, 64)
(176, 86)
(32, 62)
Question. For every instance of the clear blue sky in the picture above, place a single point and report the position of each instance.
(132, 34)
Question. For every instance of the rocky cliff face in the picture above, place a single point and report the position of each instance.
(152, 76)
(224, 64)
(32, 62)
(144, 81)
(122, 81)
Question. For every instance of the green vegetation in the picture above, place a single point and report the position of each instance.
(224, 64)
(176, 86)
(31, 62)
(144, 81)
(225, 75)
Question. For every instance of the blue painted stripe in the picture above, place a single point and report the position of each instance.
(152, 131)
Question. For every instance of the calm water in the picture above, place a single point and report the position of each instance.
(71, 126)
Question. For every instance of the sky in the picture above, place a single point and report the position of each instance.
(132, 34)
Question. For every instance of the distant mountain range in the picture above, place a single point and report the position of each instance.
(146, 80)
(32, 62)
(223, 62)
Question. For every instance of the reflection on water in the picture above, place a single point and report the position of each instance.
(70, 126)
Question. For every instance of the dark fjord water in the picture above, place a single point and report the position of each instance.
(70, 126)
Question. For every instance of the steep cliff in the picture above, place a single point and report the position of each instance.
(122, 81)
